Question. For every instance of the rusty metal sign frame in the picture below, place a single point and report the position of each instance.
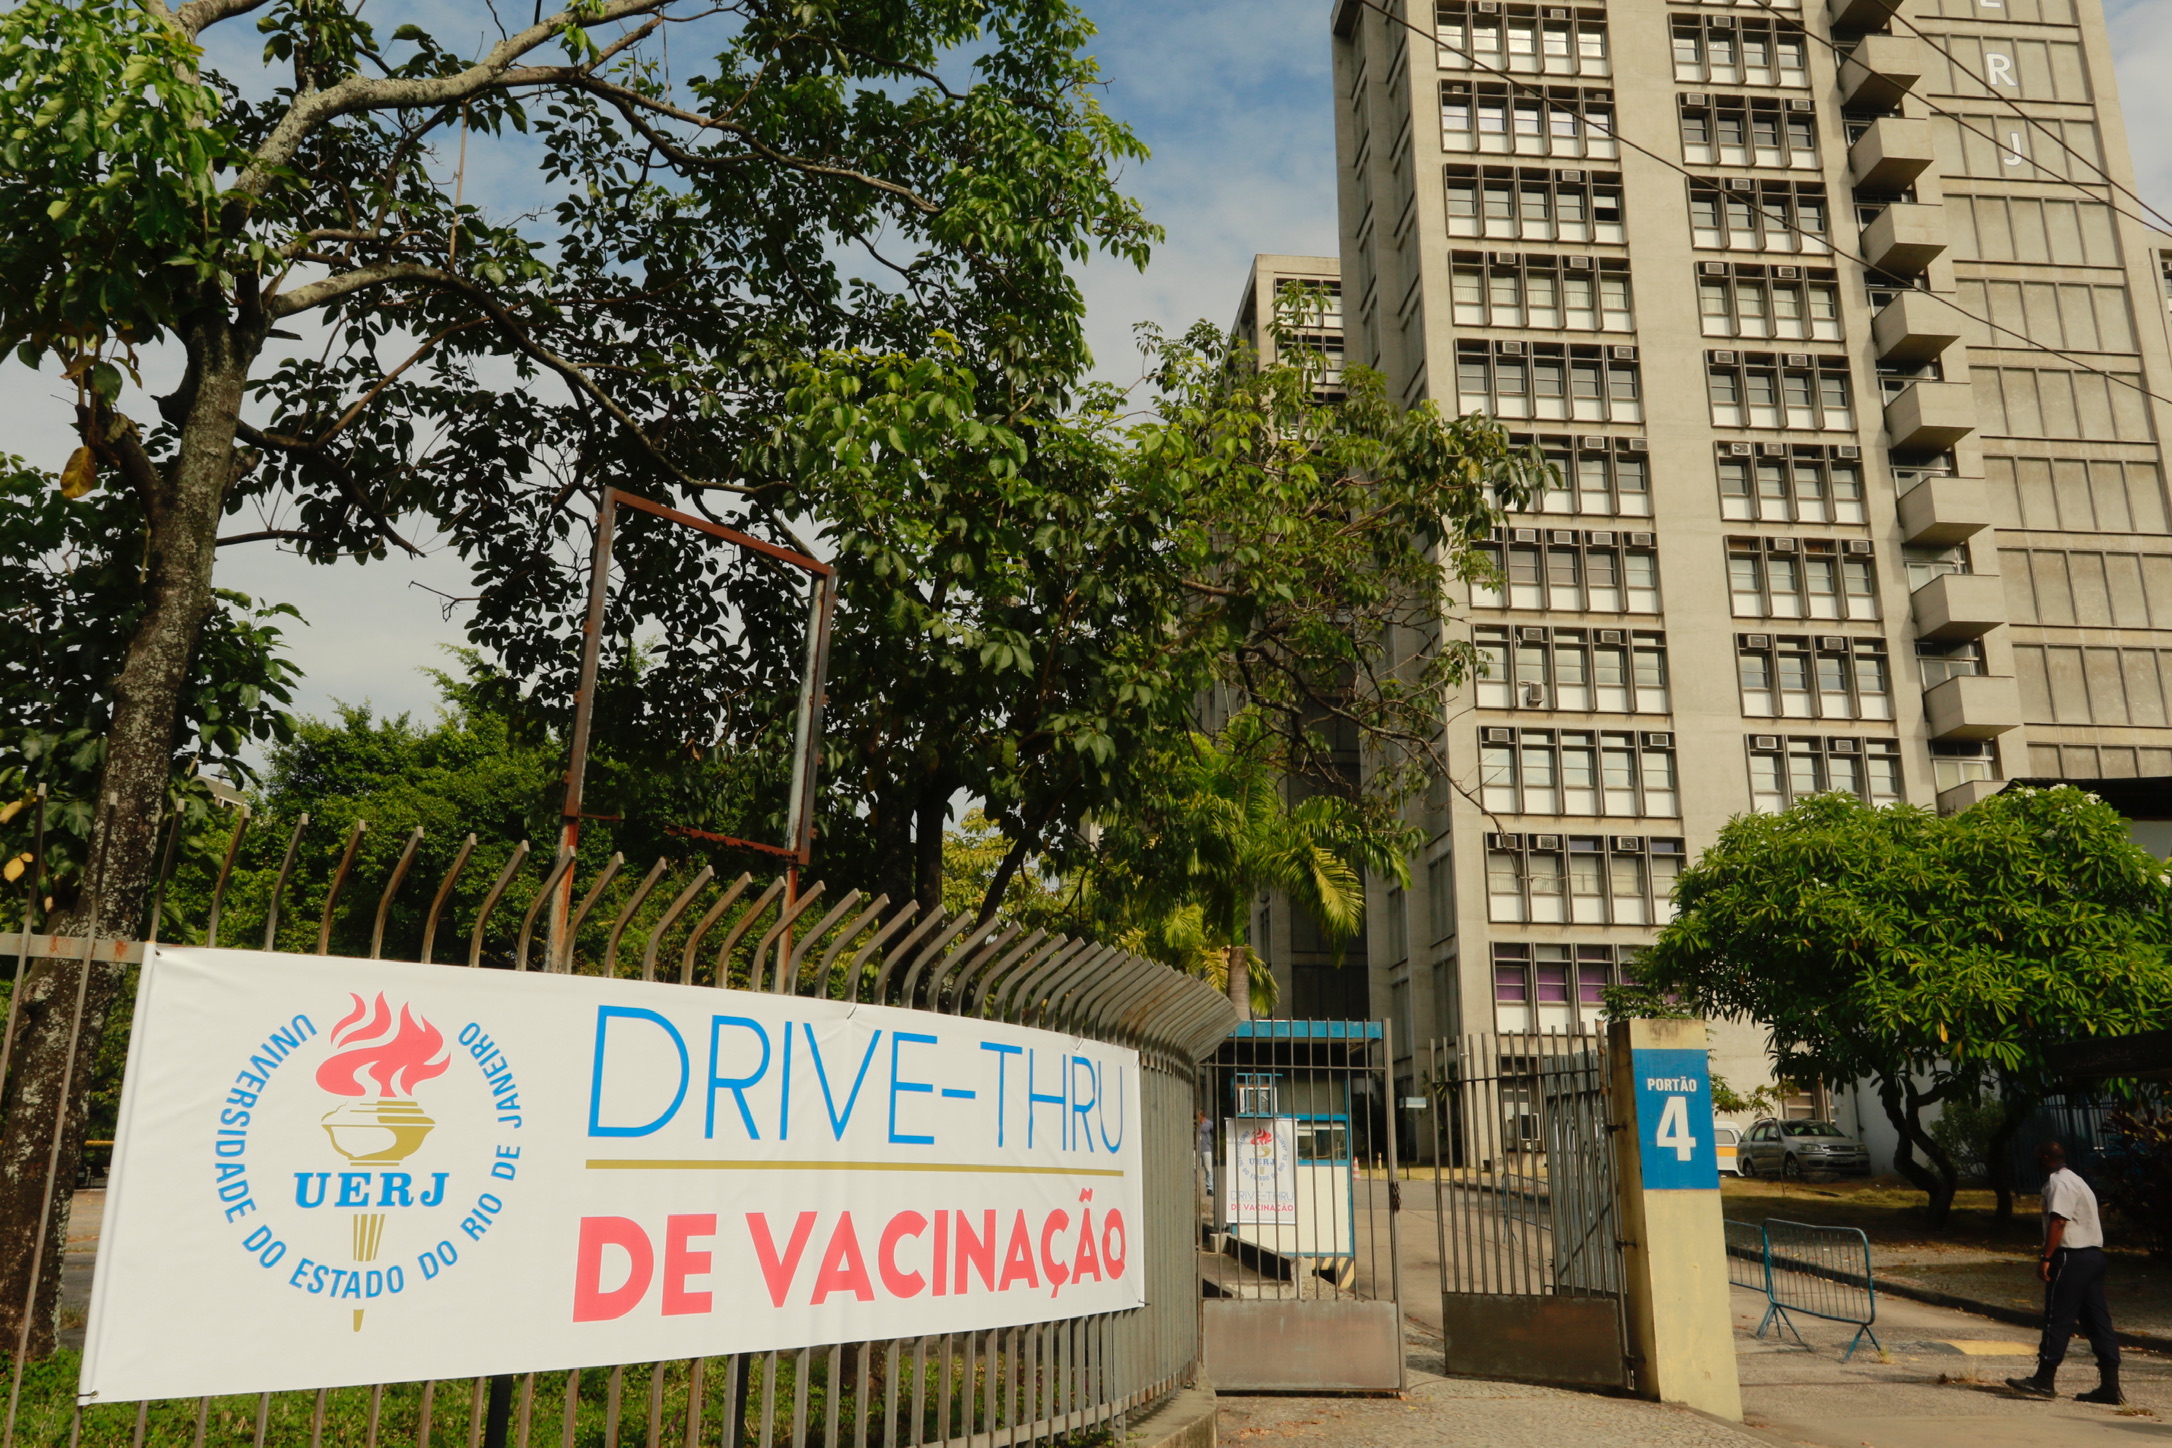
(814, 673)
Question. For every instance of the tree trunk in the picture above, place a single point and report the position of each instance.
(1998, 1153)
(63, 1012)
(1937, 1177)
(928, 819)
(1240, 980)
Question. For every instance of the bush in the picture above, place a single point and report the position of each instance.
(2135, 1172)
(1965, 1128)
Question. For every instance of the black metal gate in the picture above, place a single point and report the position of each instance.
(1298, 1160)
(1526, 1213)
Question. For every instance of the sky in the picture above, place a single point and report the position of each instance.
(1232, 97)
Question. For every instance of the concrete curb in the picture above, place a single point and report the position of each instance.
(1184, 1419)
(2147, 1341)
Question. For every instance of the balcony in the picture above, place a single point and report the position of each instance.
(1880, 70)
(1929, 417)
(1956, 606)
(1891, 154)
(1858, 15)
(1914, 327)
(1972, 706)
(1941, 511)
(1905, 238)
(1966, 793)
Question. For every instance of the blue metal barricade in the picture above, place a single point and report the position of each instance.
(1746, 1257)
(1818, 1272)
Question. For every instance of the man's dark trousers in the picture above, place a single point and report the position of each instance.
(2076, 1295)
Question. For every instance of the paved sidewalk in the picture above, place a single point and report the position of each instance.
(1939, 1383)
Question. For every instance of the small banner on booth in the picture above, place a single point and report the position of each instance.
(333, 1172)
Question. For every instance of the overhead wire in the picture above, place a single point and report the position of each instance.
(1826, 242)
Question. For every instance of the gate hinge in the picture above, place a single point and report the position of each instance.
(1625, 1241)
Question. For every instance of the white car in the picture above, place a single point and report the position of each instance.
(1725, 1140)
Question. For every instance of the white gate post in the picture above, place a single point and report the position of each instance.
(1681, 1330)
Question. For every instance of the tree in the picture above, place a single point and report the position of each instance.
(1918, 952)
(1033, 605)
(487, 374)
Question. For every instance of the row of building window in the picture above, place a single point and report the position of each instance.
(1738, 213)
(1749, 300)
(1581, 879)
(1526, 39)
(1567, 122)
(1813, 677)
(1573, 570)
(1778, 482)
(1602, 671)
(1736, 130)
(1786, 769)
(1570, 293)
(1590, 773)
(1810, 578)
(1594, 474)
(1549, 987)
(1549, 381)
(1726, 50)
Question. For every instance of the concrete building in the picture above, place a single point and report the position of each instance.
(1849, 336)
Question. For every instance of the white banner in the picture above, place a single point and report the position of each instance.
(333, 1172)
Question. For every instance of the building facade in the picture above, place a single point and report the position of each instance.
(1848, 335)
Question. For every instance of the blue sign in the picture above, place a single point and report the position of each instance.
(1674, 1120)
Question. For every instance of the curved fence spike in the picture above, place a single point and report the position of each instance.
(854, 968)
(392, 887)
(909, 956)
(226, 871)
(490, 903)
(1037, 1010)
(564, 961)
(996, 947)
(626, 914)
(970, 946)
(1010, 1006)
(670, 918)
(707, 922)
(279, 886)
(339, 883)
(444, 893)
(786, 914)
(559, 868)
(788, 961)
(1034, 949)
(851, 932)
(740, 927)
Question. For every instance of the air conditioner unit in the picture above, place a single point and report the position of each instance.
(1498, 736)
(1847, 450)
(1534, 695)
(1787, 273)
(1624, 354)
(1640, 540)
(1724, 358)
(1511, 349)
(1561, 535)
(1571, 175)
(1532, 635)
(1628, 844)
(1638, 444)
(1545, 842)
(1610, 636)
(1739, 450)
(1692, 98)
(1579, 263)
(1489, 7)
(1801, 106)
(1842, 746)
(1591, 442)
(1524, 535)
(1775, 449)
(1658, 741)
(1832, 645)
(1502, 842)
(1780, 545)
(1796, 359)
(1757, 641)
(1505, 258)
(1764, 741)
(1712, 268)
(1858, 545)
(1602, 539)
(1742, 183)
(1557, 14)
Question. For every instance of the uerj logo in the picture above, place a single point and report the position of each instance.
(385, 1194)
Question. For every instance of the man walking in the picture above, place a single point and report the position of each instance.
(2072, 1268)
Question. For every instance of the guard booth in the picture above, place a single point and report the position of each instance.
(1298, 1262)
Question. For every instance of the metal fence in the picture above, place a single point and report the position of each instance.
(1815, 1271)
(683, 924)
(1746, 1257)
(1526, 1213)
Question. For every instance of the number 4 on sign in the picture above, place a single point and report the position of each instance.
(1674, 1128)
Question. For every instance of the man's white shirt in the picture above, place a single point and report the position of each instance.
(2067, 1195)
